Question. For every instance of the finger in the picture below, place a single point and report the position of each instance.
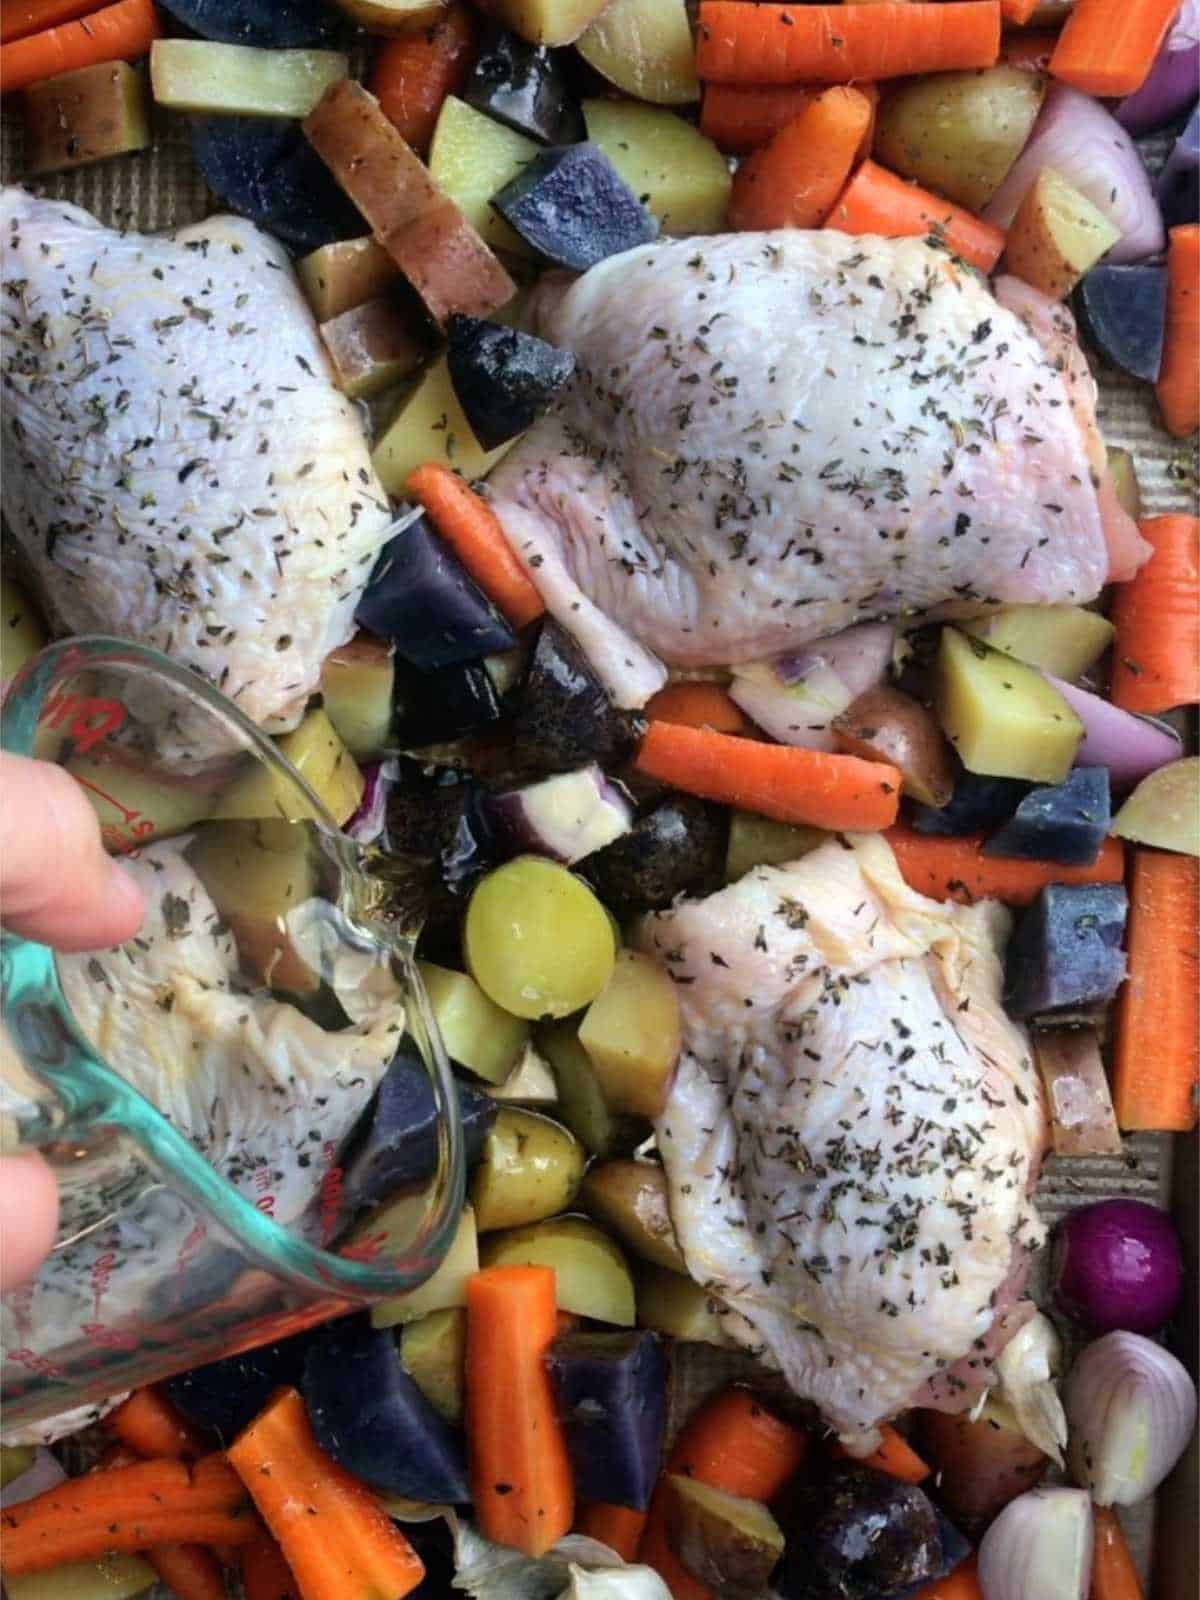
(57, 884)
(28, 1217)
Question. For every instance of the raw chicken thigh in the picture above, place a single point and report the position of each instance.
(773, 436)
(178, 466)
(854, 1130)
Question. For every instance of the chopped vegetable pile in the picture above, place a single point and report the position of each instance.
(505, 1426)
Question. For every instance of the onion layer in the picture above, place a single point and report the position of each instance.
(1131, 1408)
(1039, 1548)
(1078, 138)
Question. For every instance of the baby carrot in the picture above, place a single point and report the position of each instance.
(774, 44)
(1114, 1575)
(793, 181)
(896, 1457)
(619, 1527)
(877, 201)
(1156, 651)
(1178, 387)
(469, 524)
(777, 780)
(1156, 1058)
(1107, 49)
(738, 118)
(119, 32)
(414, 72)
(699, 705)
(21, 17)
(151, 1426)
(957, 869)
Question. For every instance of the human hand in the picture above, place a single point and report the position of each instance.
(59, 887)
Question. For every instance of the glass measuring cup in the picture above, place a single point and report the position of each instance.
(195, 1089)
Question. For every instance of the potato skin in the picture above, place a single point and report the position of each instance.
(531, 1169)
(885, 725)
(981, 1465)
(1056, 235)
(958, 133)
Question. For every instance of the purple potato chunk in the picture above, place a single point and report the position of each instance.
(574, 208)
(422, 598)
(278, 24)
(678, 848)
(858, 1534)
(1066, 949)
(1124, 311)
(504, 379)
(978, 803)
(612, 1395)
(564, 718)
(228, 1394)
(369, 1415)
(1066, 822)
(437, 707)
(264, 168)
(1179, 182)
(523, 86)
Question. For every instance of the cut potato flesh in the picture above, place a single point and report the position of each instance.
(320, 757)
(632, 1198)
(673, 1304)
(645, 47)
(476, 1032)
(549, 21)
(433, 1351)
(530, 1083)
(592, 1277)
(370, 347)
(430, 426)
(1064, 640)
(582, 1105)
(1164, 809)
(756, 841)
(85, 116)
(345, 274)
(678, 174)
(727, 1542)
(136, 806)
(392, 1228)
(1001, 716)
(358, 683)
(633, 1033)
(1056, 235)
(471, 159)
(238, 80)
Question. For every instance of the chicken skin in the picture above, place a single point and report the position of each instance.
(854, 1130)
(178, 467)
(773, 436)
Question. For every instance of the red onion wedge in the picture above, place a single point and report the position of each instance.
(1039, 1548)
(1129, 746)
(1131, 1408)
(565, 817)
(796, 696)
(1085, 143)
(44, 1474)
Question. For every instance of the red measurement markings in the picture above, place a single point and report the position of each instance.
(111, 1338)
(41, 1365)
(102, 1272)
(87, 720)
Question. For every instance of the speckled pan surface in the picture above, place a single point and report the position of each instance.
(161, 188)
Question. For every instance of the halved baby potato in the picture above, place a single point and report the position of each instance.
(645, 47)
(633, 1033)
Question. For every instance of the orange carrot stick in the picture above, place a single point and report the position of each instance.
(894, 1456)
(332, 1531)
(619, 1527)
(189, 1570)
(1114, 1575)
(151, 1426)
(732, 1443)
(520, 1473)
(793, 181)
(961, 1584)
(774, 44)
(740, 118)
(1178, 386)
(1156, 651)
(265, 1574)
(39, 1545)
(699, 705)
(957, 869)
(469, 524)
(778, 780)
(1028, 47)
(1016, 13)
(877, 201)
(1107, 49)
(21, 17)
(414, 72)
(119, 32)
(1156, 1057)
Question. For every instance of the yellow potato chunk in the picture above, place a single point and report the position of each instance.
(1001, 716)
(471, 159)
(345, 274)
(1064, 640)
(395, 1224)
(476, 1032)
(679, 175)
(318, 754)
(84, 116)
(239, 80)
(592, 1278)
(633, 1034)
(431, 426)
(645, 47)
(1056, 235)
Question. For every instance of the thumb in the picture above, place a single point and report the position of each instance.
(57, 884)
(28, 1217)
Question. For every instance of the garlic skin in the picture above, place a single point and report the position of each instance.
(1028, 1368)
(1131, 1409)
(1039, 1548)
